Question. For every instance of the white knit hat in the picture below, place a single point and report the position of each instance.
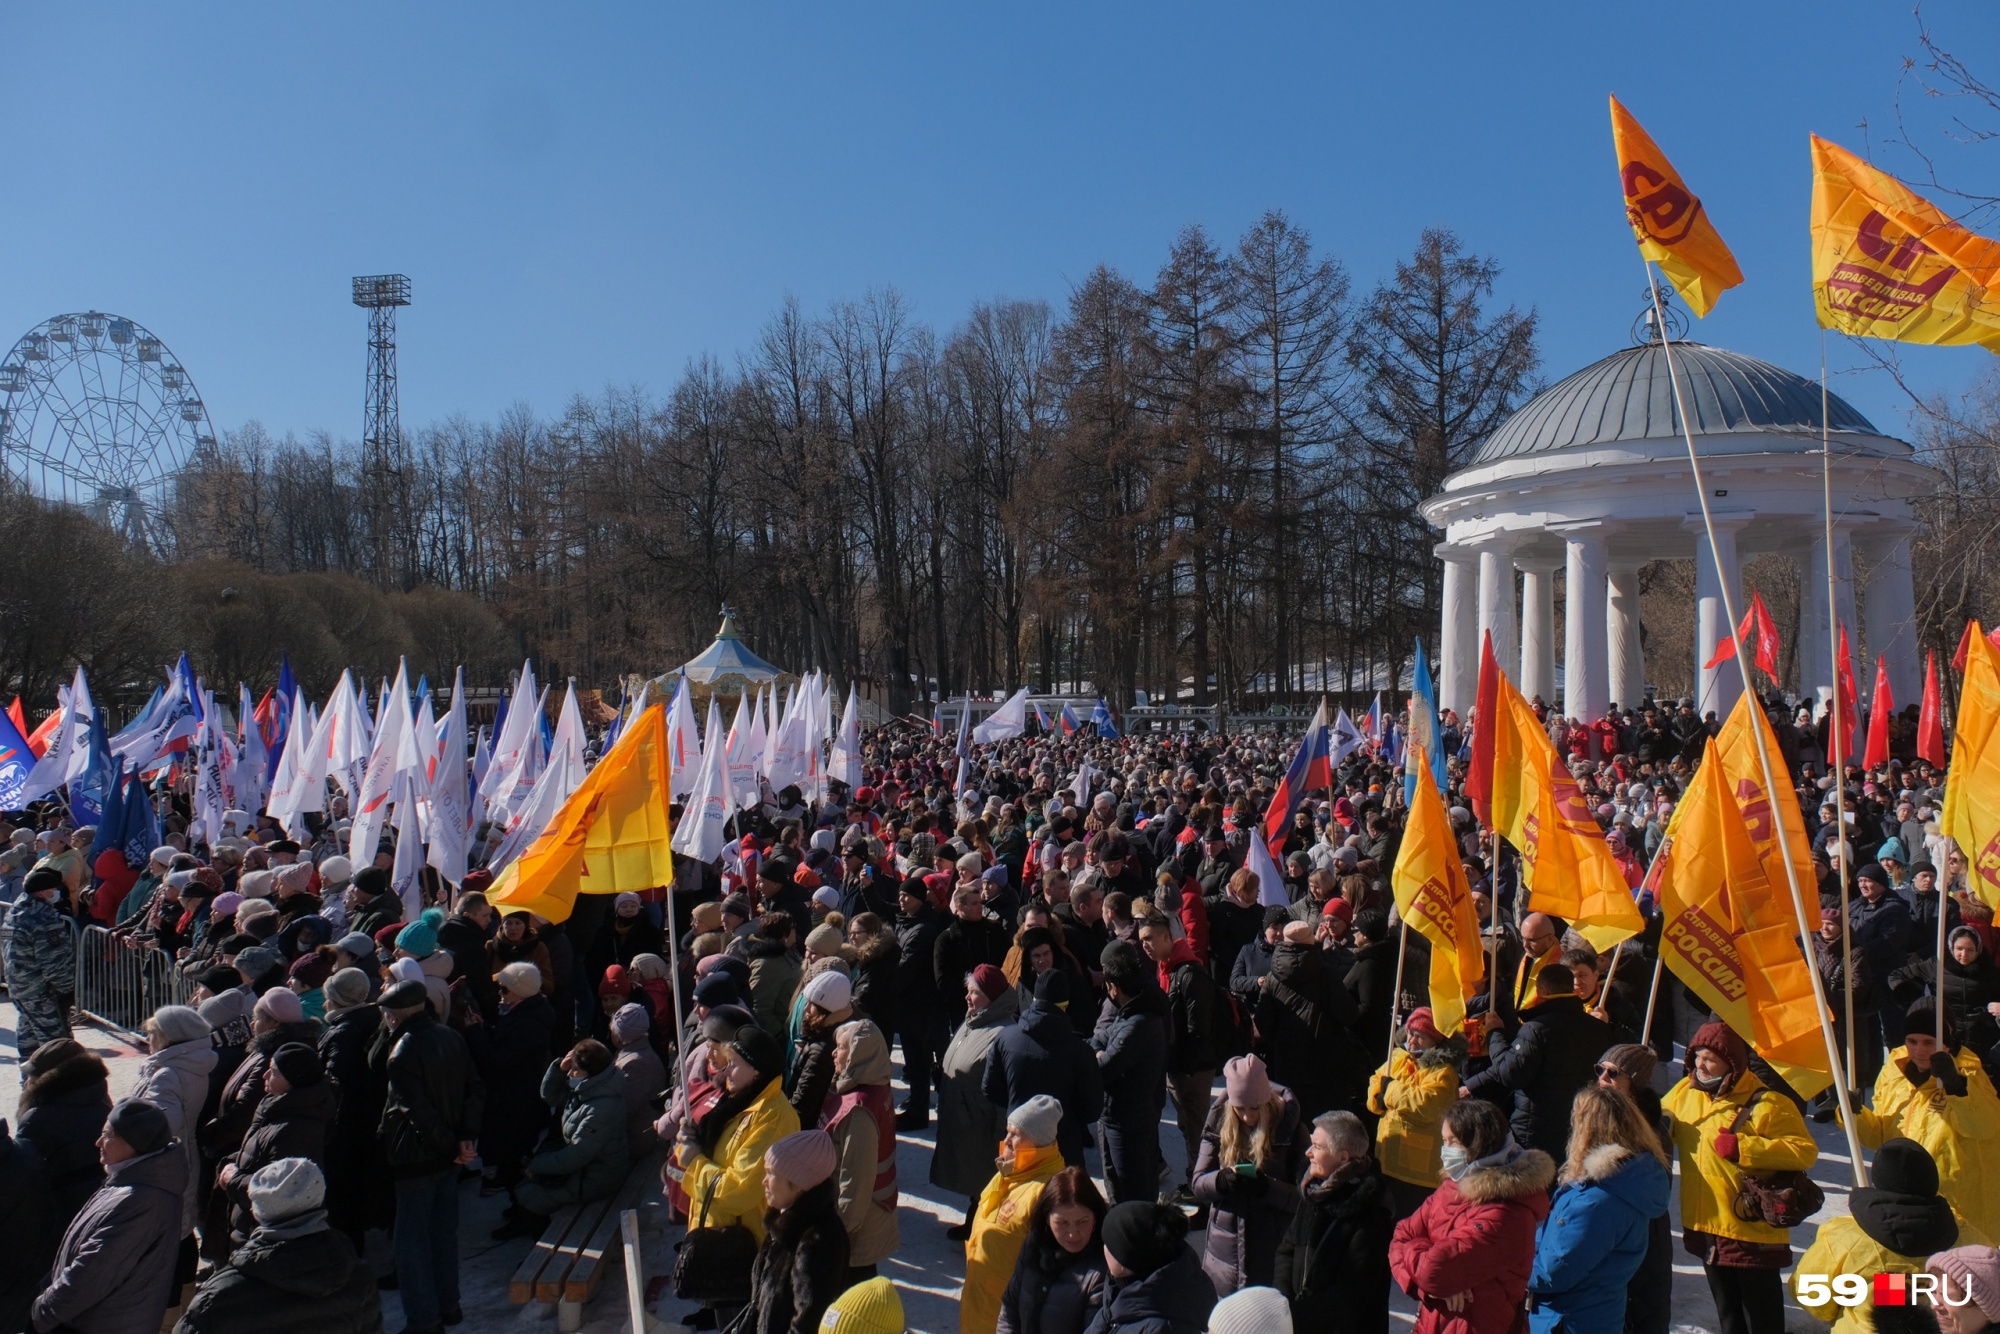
(1251, 1311)
(285, 1189)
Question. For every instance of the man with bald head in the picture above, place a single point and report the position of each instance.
(1541, 944)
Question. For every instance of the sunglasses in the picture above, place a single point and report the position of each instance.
(1609, 1072)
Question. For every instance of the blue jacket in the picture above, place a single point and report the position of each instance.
(1593, 1241)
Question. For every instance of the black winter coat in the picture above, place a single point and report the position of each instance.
(60, 1114)
(27, 1238)
(1175, 1299)
(1372, 983)
(961, 947)
(1192, 1016)
(434, 1098)
(512, 1055)
(1304, 1018)
(1231, 926)
(297, 1123)
(812, 1071)
(1043, 1054)
(1967, 992)
(801, 1267)
(222, 1134)
(276, 1281)
(1131, 1046)
(1554, 1055)
(916, 961)
(357, 1191)
(876, 980)
(1333, 1264)
(1052, 1291)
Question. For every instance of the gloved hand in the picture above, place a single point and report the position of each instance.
(1725, 1144)
(1378, 1086)
(1949, 1077)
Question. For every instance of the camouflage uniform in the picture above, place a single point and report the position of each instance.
(41, 972)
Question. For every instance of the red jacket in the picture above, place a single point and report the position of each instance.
(1194, 917)
(1477, 1235)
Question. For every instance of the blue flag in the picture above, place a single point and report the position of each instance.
(139, 829)
(1101, 719)
(87, 792)
(189, 685)
(1424, 726)
(17, 758)
(111, 817)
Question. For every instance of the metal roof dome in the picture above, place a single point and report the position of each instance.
(1628, 396)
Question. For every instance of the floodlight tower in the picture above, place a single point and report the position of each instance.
(382, 427)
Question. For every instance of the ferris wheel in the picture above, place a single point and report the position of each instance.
(96, 412)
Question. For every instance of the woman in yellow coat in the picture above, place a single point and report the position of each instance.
(1945, 1102)
(724, 1150)
(1895, 1224)
(1000, 1223)
(1742, 1260)
(1411, 1092)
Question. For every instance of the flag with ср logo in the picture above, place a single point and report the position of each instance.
(1432, 895)
(1887, 264)
(1668, 220)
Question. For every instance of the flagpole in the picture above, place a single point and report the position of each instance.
(1396, 996)
(1757, 730)
(1493, 919)
(1833, 728)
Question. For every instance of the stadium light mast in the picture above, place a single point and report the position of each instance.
(382, 428)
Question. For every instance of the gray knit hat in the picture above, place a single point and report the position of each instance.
(281, 1191)
(1037, 1119)
(347, 988)
(179, 1023)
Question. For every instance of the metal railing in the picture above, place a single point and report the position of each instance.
(120, 981)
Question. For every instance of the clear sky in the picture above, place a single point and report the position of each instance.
(589, 195)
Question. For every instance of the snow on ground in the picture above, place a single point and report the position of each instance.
(927, 1268)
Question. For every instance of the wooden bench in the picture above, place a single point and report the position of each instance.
(580, 1246)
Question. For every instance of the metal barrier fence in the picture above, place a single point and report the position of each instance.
(120, 982)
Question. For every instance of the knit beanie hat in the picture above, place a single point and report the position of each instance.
(258, 962)
(253, 885)
(299, 1064)
(141, 1125)
(831, 991)
(1247, 1082)
(991, 982)
(346, 989)
(285, 1189)
(335, 871)
(520, 979)
(280, 1006)
(629, 1024)
(617, 982)
(1052, 988)
(724, 1021)
(1276, 916)
(359, 944)
(1037, 1119)
(759, 1050)
(220, 978)
(804, 1158)
(1719, 1038)
(627, 904)
(1636, 1061)
(1904, 1167)
(1144, 1236)
(1976, 1266)
(420, 938)
(1421, 1020)
(179, 1023)
(311, 969)
(225, 905)
(1251, 1311)
(254, 910)
(1921, 1019)
(825, 940)
(647, 967)
(866, 1308)
(716, 989)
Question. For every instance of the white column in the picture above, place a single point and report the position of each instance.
(1621, 619)
(1717, 688)
(1458, 632)
(1890, 604)
(1538, 626)
(1815, 677)
(1586, 679)
(1496, 601)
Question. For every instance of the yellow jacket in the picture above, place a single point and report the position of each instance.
(1843, 1248)
(1774, 1139)
(999, 1227)
(738, 1166)
(1962, 1134)
(1411, 1095)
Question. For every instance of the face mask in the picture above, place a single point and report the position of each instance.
(1455, 1160)
(1707, 1085)
(576, 1081)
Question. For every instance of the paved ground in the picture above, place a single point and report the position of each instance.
(926, 1268)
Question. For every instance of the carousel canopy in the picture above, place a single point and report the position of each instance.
(727, 656)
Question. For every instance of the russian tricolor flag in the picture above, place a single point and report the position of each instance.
(1311, 769)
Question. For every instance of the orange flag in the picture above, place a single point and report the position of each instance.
(1971, 814)
(1433, 896)
(1672, 227)
(1539, 808)
(1887, 264)
(1732, 936)
(1777, 829)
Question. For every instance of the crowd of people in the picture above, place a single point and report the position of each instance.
(1166, 1102)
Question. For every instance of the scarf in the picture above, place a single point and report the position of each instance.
(874, 1097)
(708, 1131)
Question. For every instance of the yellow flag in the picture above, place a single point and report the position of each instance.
(1776, 828)
(1565, 863)
(1733, 938)
(1888, 264)
(1672, 227)
(612, 835)
(1433, 896)
(1971, 813)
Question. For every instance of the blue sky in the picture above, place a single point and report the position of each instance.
(586, 196)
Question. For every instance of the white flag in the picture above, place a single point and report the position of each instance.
(253, 761)
(519, 740)
(451, 795)
(1344, 738)
(703, 827)
(68, 753)
(563, 776)
(1008, 721)
(1271, 892)
(844, 765)
(739, 760)
(683, 742)
(394, 754)
(408, 866)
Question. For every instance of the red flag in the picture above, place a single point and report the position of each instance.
(1930, 723)
(18, 718)
(1759, 632)
(1965, 641)
(1846, 701)
(38, 740)
(1479, 779)
(1879, 712)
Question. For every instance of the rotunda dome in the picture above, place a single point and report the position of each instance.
(1628, 397)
